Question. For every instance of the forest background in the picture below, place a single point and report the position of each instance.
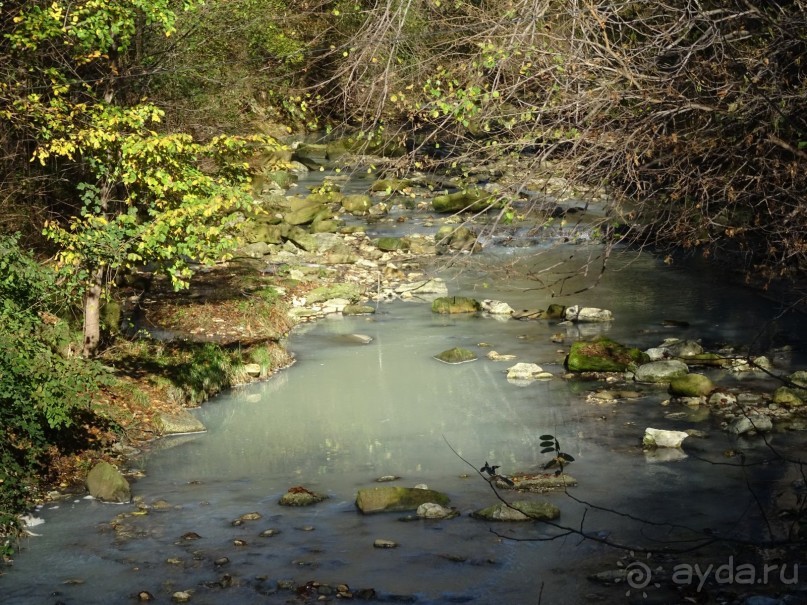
(129, 131)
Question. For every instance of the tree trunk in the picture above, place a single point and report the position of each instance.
(92, 314)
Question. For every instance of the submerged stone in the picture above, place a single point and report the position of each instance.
(520, 510)
(396, 499)
(300, 496)
(456, 355)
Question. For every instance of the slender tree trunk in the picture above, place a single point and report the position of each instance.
(92, 314)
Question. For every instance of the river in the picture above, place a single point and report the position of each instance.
(347, 413)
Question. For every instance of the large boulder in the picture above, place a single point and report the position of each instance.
(396, 499)
(602, 355)
(520, 510)
(105, 482)
(661, 371)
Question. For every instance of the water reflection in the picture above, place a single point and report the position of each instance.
(347, 413)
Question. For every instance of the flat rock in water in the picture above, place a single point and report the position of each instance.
(456, 355)
(396, 499)
(663, 438)
(496, 307)
(520, 510)
(179, 423)
(661, 371)
(300, 496)
(527, 371)
(540, 482)
(432, 510)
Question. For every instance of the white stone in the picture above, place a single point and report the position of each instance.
(587, 314)
(496, 307)
(663, 438)
(526, 371)
(432, 510)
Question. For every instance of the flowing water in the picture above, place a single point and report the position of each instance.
(347, 413)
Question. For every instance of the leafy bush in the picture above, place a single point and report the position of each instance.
(41, 390)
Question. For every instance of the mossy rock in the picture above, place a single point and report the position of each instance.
(396, 499)
(787, 397)
(302, 239)
(602, 355)
(390, 244)
(357, 203)
(390, 185)
(466, 200)
(455, 304)
(456, 355)
(555, 311)
(707, 359)
(691, 385)
(302, 214)
(263, 232)
(347, 290)
(106, 483)
(358, 310)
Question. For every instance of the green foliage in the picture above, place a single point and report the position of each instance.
(206, 371)
(40, 389)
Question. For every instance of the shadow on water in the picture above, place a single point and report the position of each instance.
(348, 413)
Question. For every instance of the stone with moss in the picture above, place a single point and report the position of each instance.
(390, 244)
(691, 385)
(348, 290)
(466, 200)
(106, 483)
(357, 203)
(455, 304)
(602, 355)
(555, 311)
(303, 213)
(302, 239)
(788, 397)
(390, 185)
(397, 499)
(456, 355)
(358, 310)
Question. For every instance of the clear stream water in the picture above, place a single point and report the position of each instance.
(347, 413)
